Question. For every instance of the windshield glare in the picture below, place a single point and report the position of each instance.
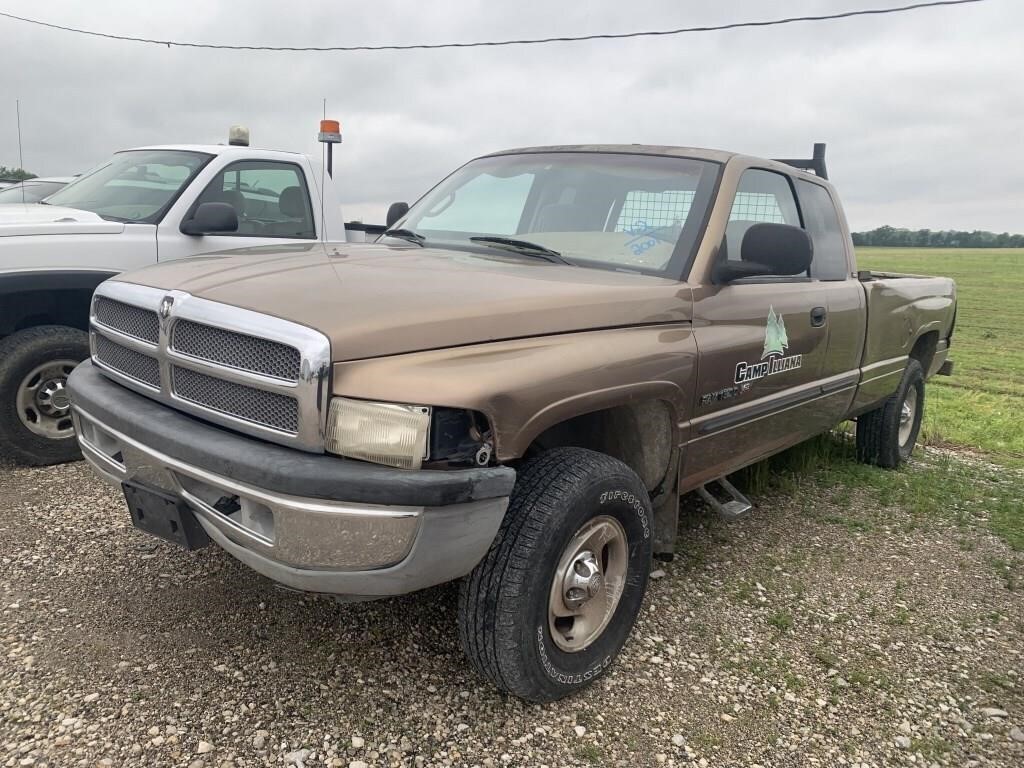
(615, 211)
(29, 191)
(136, 186)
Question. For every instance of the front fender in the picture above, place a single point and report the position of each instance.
(526, 386)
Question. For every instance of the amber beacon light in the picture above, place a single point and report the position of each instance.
(330, 134)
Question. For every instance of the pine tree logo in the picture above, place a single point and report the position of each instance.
(775, 340)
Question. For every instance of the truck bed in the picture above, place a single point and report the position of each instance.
(906, 314)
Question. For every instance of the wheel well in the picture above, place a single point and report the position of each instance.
(924, 350)
(28, 309)
(641, 435)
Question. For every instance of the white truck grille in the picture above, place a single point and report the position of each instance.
(242, 369)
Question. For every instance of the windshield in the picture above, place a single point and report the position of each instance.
(29, 191)
(136, 186)
(613, 211)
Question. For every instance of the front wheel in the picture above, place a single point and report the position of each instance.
(35, 412)
(886, 435)
(553, 601)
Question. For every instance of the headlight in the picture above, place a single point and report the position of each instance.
(384, 433)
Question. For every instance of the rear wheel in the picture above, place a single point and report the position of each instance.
(35, 411)
(553, 601)
(886, 435)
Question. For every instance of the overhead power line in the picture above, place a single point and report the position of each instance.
(495, 43)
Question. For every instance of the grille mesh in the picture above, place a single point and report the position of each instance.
(238, 350)
(140, 323)
(255, 405)
(129, 362)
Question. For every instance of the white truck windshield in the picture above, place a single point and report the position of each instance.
(135, 186)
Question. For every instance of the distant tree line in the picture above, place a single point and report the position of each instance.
(946, 238)
(14, 174)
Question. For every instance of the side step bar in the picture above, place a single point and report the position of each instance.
(733, 508)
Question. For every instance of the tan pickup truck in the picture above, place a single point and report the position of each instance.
(512, 387)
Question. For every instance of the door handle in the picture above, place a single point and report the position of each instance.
(818, 316)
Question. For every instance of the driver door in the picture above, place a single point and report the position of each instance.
(762, 344)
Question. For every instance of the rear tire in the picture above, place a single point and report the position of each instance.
(886, 435)
(35, 415)
(553, 601)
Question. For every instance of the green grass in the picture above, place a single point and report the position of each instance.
(782, 621)
(980, 406)
(591, 753)
(933, 488)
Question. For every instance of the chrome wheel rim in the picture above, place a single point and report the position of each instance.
(588, 583)
(42, 400)
(908, 412)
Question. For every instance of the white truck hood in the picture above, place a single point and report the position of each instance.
(35, 219)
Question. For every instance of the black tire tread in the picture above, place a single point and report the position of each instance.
(484, 629)
(878, 431)
(12, 349)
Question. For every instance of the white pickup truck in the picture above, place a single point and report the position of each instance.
(140, 207)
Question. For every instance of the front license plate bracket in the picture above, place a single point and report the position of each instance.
(165, 516)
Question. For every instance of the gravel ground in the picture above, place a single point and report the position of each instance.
(801, 636)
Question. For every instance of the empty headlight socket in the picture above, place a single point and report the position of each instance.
(459, 438)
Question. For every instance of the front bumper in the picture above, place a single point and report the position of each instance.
(312, 522)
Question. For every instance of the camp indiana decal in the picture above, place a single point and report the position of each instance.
(773, 357)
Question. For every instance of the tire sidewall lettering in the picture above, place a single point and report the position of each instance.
(633, 501)
(630, 507)
(567, 678)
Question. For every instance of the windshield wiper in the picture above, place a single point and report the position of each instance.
(407, 235)
(525, 247)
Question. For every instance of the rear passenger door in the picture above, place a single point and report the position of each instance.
(762, 344)
(271, 199)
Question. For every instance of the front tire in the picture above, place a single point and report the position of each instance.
(886, 435)
(553, 601)
(35, 413)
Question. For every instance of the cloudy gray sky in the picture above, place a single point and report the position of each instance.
(923, 112)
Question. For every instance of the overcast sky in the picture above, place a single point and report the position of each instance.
(922, 112)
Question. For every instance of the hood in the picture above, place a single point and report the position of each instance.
(376, 300)
(36, 219)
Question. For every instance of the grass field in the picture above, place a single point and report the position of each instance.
(981, 406)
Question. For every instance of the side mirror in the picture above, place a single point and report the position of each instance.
(210, 218)
(769, 249)
(395, 212)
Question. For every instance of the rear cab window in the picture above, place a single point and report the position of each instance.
(822, 223)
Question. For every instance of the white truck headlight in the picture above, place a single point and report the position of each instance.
(384, 433)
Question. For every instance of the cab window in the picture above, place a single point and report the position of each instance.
(822, 224)
(270, 198)
(762, 197)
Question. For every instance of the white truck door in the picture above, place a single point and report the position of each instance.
(271, 195)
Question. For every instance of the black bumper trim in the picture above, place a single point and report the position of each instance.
(273, 467)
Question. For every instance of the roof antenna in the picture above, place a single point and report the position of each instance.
(323, 181)
(21, 157)
(330, 134)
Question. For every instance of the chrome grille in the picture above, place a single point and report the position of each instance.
(127, 361)
(237, 350)
(244, 370)
(130, 320)
(256, 405)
